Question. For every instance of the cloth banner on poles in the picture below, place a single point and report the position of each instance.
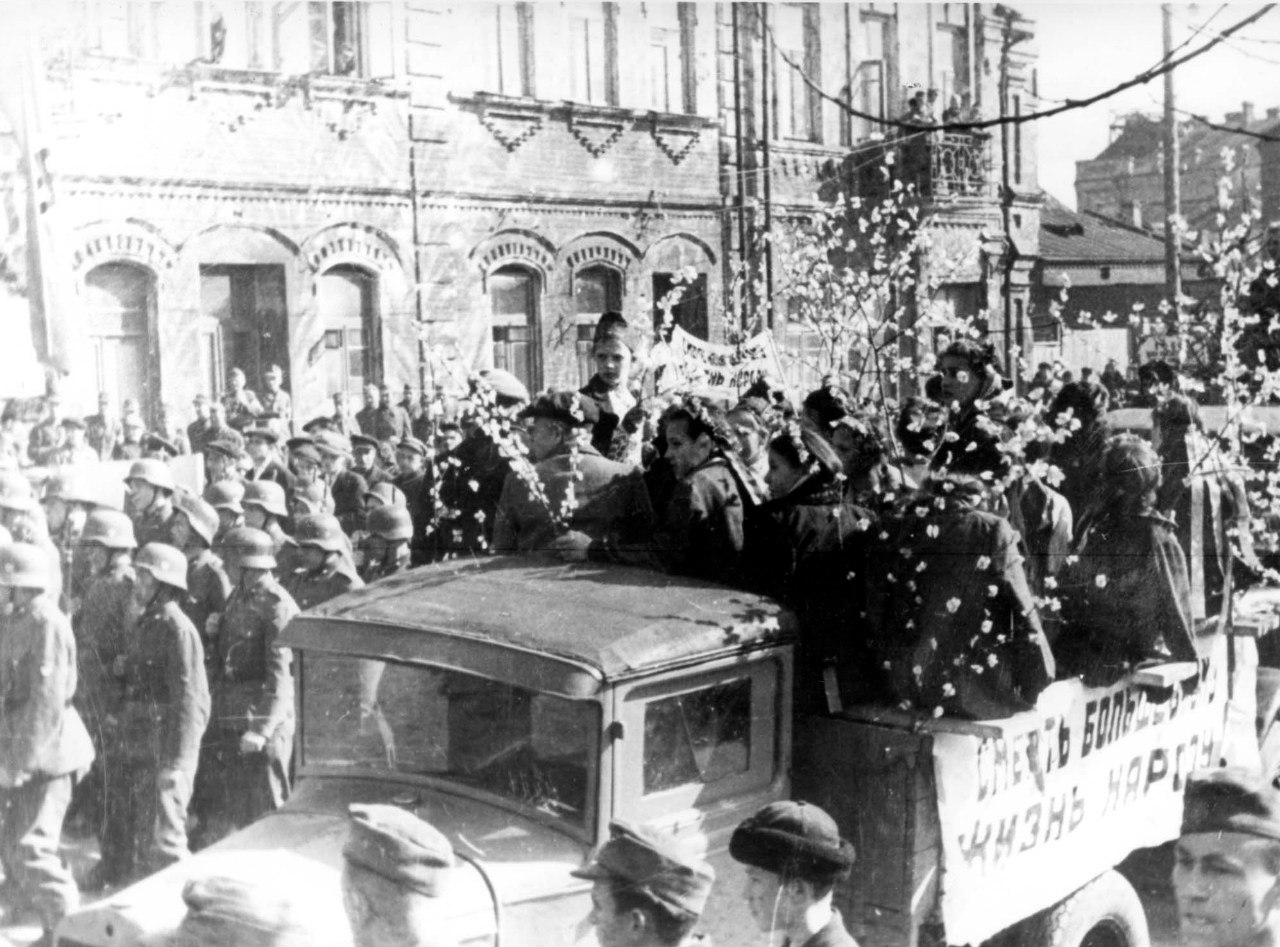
(689, 363)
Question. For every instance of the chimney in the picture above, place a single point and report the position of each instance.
(1135, 213)
(1234, 118)
(1246, 109)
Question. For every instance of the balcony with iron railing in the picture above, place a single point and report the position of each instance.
(937, 166)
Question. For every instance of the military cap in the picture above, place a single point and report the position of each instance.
(1231, 799)
(507, 388)
(411, 445)
(77, 423)
(792, 839)
(225, 495)
(655, 864)
(303, 448)
(333, 442)
(364, 440)
(154, 442)
(262, 432)
(567, 407)
(398, 846)
(322, 423)
(224, 446)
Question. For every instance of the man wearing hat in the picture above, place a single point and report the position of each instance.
(365, 461)
(197, 430)
(416, 479)
(165, 709)
(648, 891)
(242, 404)
(223, 457)
(380, 419)
(260, 444)
(132, 429)
(346, 486)
(794, 856)
(619, 430)
(74, 448)
(471, 480)
(244, 769)
(156, 447)
(276, 402)
(394, 867)
(149, 500)
(208, 586)
(103, 429)
(326, 569)
(46, 436)
(608, 517)
(1226, 872)
(343, 419)
(266, 507)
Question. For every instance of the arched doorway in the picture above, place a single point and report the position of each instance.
(121, 300)
(513, 293)
(347, 299)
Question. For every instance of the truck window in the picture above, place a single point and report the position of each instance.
(700, 737)
(364, 716)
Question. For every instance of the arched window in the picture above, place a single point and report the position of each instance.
(596, 289)
(121, 302)
(347, 298)
(513, 293)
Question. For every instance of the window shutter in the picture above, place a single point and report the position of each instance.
(379, 39)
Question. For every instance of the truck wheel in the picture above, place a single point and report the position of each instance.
(1104, 913)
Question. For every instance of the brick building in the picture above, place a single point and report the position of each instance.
(253, 183)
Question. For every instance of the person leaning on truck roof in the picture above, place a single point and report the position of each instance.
(395, 867)
(648, 892)
(1226, 873)
(794, 856)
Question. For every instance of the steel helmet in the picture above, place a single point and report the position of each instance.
(248, 548)
(391, 522)
(109, 528)
(202, 517)
(165, 563)
(266, 495)
(388, 493)
(16, 492)
(320, 530)
(153, 472)
(225, 495)
(25, 566)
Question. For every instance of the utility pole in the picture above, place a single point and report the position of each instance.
(1172, 189)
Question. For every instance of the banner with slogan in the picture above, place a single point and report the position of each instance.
(727, 370)
(1068, 790)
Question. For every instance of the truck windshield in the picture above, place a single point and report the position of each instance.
(537, 750)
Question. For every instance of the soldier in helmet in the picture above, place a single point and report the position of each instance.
(166, 709)
(389, 529)
(265, 509)
(149, 501)
(225, 497)
(67, 503)
(208, 586)
(102, 634)
(326, 568)
(21, 516)
(245, 770)
(46, 747)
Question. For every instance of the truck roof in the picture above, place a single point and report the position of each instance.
(565, 628)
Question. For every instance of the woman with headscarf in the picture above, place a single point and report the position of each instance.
(617, 436)
(1126, 598)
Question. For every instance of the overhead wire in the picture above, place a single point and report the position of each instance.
(1141, 78)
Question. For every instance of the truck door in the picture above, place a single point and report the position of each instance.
(701, 750)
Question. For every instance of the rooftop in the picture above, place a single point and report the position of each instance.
(1068, 236)
(557, 627)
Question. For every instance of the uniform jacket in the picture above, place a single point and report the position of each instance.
(951, 612)
(43, 441)
(612, 506)
(702, 532)
(42, 734)
(152, 527)
(1125, 599)
(242, 408)
(103, 626)
(348, 490)
(101, 433)
(280, 404)
(385, 424)
(286, 550)
(253, 689)
(166, 690)
(313, 588)
(208, 589)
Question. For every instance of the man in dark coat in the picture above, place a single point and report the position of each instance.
(242, 404)
(365, 461)
(46, 747)
(208, 586)
(103, 428)
(199, 430)
(166, 708)
(260, 445)
(571, 499)
(415, 479)
(346, 486)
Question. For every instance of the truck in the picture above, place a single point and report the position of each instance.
(520, 705)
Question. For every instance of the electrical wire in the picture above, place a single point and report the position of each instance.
(1140, 79)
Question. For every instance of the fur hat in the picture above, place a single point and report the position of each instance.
(795, 840)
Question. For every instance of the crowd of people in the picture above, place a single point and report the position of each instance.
(950, 554)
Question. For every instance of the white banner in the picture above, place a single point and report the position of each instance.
(689, 363)
(1067, 791)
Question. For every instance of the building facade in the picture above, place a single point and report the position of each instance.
(406, 190)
